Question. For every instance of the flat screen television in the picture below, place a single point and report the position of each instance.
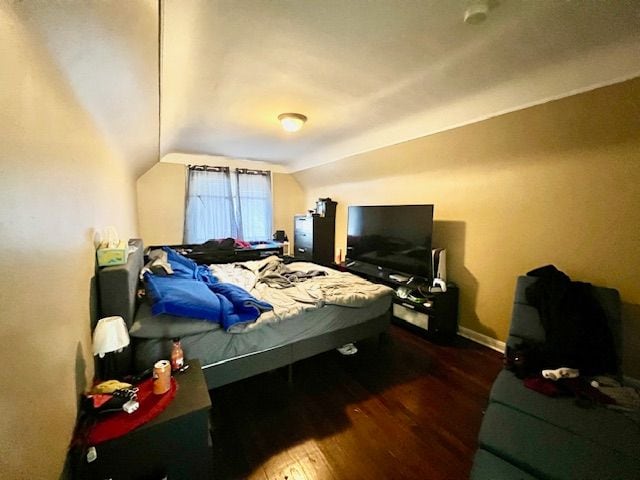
(395, 237)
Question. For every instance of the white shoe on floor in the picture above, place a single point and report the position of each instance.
(348, 349)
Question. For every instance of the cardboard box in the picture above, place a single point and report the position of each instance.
(117, 255)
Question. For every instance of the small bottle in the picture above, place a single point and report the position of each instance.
(177, 355)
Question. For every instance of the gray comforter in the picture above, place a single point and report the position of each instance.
(297, 287)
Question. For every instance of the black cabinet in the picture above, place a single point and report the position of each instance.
(437, 316)
(314, 238)
(434, 314)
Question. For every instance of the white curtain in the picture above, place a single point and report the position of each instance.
(219, 207)
(209, 212)
(254, 204)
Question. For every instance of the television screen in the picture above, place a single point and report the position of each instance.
(395, 237)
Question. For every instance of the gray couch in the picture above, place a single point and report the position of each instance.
(526, 435)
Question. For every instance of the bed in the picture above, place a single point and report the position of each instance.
(228, 357)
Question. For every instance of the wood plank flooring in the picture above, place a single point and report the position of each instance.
(402, 409)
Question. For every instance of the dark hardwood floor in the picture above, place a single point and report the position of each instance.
(404, 409)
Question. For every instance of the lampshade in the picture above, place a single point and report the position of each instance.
(110, 335)
(292, 122)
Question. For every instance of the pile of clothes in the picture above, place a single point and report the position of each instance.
(578, 356)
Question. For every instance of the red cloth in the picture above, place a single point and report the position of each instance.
(577, 387)
(117, 424)
(100, 399)
(543, 386)
(242, 244)
(583, 390)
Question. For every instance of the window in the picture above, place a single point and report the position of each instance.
(222, 204)
(254, 204)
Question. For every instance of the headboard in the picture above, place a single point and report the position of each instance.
(118, 285)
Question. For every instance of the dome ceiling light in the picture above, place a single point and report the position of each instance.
(292, 122)
(478, 10)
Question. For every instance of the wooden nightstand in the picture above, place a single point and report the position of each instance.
(175, 444)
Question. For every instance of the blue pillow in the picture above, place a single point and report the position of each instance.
(183, 297)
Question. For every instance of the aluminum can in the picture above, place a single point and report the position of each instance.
(161, 377)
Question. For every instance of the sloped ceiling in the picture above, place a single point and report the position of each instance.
(106, 54)
(373, 73)
(366, 73)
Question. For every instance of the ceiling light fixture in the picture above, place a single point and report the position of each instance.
(476, 12)
(292, 122)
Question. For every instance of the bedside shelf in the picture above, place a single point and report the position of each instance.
(175, 444)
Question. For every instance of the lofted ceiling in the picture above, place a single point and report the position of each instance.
(373, 73)
(367, 73)
(102, 58)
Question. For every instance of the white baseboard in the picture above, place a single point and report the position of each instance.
(482, 339)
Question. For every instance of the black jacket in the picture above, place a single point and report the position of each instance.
(577, 333)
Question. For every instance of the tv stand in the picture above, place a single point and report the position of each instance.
(435, 317)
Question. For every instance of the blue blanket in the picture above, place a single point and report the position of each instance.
(193, 292)
(239, 305)
(184, 267)
(182, 297)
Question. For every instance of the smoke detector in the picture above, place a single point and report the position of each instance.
(476, 12)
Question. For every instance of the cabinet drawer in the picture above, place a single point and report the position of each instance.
(303, 224)
(303, 253)
(304, 239)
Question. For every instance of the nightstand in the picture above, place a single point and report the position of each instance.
(175, 444)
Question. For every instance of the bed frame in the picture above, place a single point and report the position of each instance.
(118, 287)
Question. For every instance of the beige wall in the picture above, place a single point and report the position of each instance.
(161, 192)
(161, 204)
(557, 183)
(59, 181)
(288, 199)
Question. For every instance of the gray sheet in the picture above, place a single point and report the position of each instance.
(216, 347)
(269, 280)
(147, 325)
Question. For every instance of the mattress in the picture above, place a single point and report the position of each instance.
(341, 312)
(214, 346)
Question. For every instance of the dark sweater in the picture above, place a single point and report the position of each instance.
(577, 333)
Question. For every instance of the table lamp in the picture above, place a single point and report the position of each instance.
(109, 338)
